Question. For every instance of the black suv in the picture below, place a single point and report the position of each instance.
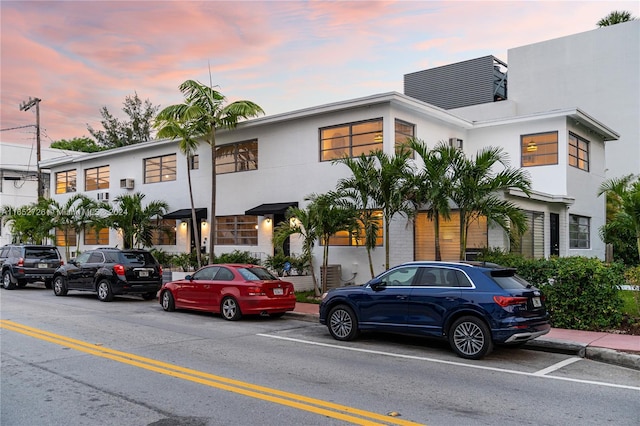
(110, 271)
(28, 263)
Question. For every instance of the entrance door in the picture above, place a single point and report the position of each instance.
(286, 245)
(554, 231)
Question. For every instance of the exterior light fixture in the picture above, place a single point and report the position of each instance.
(532, 147)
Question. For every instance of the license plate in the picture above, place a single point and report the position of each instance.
(143, 273)
(278, 291)
(42, 265)
(536, 302)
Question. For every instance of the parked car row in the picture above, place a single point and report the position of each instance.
(473, 306)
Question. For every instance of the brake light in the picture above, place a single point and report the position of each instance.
(61, 262)
(160, 270)
(21, 262)
(255, 291)
(118, 269)
(505, 301)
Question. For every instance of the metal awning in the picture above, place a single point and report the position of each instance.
(270, 208)
(201, 213)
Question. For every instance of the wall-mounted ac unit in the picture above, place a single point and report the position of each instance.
(103, 196)
(127, 183)
(455, 142)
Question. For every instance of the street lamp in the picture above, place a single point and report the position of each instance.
(26, 106)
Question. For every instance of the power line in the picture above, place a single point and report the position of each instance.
(19, 127)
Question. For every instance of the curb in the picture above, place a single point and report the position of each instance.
(608, 356)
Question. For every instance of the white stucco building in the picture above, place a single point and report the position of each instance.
(270, 163)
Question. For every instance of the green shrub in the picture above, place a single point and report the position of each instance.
(581, 293)
(237, 256)
(163, 258)
(277, 262)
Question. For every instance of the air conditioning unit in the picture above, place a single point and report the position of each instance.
(455, 142)
(103, 196)
(127, 183)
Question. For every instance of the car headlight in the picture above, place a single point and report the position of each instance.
(324, 295)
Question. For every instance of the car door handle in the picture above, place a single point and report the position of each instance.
(401, 297)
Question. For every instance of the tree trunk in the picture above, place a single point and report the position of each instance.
(212, 222)
(194, 220)
(436, 233)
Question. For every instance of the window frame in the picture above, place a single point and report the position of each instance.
(66, 183)
(166, 233)
(96, 237)
(164, 169)
(70, 241)
(579, 232)
(349, 146)
(101, 181)
(527, 148)
(398, 135)
(357, 239)
(251, 163)
(194, 162)
(242, 230)
(575, 143)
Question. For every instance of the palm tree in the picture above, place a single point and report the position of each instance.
(204, 107)
(393, 191)
(433, 182)
(476, 187)
(624, 193)
(75, 215)
(185, 131)
(134, 221)
(30, 223)
(615, 17)
(330, 218)
(299, 222)
(358, 193)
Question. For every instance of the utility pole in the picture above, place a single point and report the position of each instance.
(26, 106)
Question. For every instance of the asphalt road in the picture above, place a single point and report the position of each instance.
(76, 361)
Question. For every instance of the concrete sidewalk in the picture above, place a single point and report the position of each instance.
(619, 349)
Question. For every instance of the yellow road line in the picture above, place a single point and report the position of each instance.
(317, 406)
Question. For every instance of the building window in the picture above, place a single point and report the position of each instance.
(350, 140)
(96, 236)
(160, 169)
(357, 238)
(165, 233)
(531, 243)
(96, 178)
(578, 152)
(579, 232)
(194, 162)
(237, 157)
(404, 132)
(237, 230)
(539, 149)
(66, 182)
(424, 243)
(66, 238)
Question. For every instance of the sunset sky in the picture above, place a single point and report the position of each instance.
(78, 56)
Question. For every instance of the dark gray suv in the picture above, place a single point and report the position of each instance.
(28, 263)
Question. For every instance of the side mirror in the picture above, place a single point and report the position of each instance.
(189, 278)
(377, 284)
(73, 261)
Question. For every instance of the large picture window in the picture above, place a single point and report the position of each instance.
(96, 236)
(358, 238)
(578, 152)
(160, 169)
(237, 157)
(66, 238)
(579, 232)
(237, 230)
(425, 246)
(165, 234)
(539, 149)
(96, 178)
(404, 133)
(66, 182)
(350, 140)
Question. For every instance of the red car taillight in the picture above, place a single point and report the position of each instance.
(118, 269)
(505, 301)
(21, 262)
(61, 262)
(255, 291)
(160, 270)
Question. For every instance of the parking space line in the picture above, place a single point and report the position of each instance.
(458, 364)
(556, 366)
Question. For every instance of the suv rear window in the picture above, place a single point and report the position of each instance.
(508, 280)
(41, 253)
(137, 258)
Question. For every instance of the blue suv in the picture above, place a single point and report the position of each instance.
(473, 306)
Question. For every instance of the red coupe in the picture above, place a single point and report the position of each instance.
(231, 290)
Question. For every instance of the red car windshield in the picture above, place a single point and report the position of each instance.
(253, 274)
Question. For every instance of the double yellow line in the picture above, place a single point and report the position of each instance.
(317, 406)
